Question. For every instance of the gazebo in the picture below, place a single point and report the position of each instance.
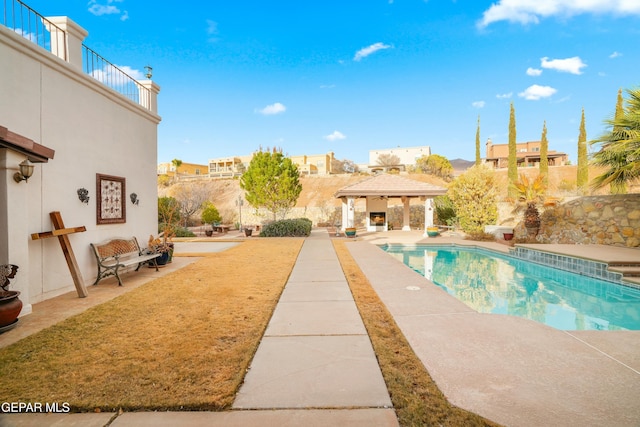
(377, 190)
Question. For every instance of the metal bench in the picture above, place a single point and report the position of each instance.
(115, 254)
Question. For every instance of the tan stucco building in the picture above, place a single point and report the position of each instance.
(527, 155)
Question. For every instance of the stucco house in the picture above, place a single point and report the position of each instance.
(92, 146)
(527, 155)
(185, 169)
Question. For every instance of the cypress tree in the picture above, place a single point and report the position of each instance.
(512, 171)
(583, 167)
(544, 161)
(618, 187)
(478, 160)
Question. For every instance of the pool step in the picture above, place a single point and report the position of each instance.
(626, 270)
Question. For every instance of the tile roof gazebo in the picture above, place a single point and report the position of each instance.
(377, 190)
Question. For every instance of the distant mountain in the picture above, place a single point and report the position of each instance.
(461, 165)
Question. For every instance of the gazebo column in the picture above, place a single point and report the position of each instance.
(429, 207)
(406, 222)
(348, 212)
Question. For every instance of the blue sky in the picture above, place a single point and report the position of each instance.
(351, 76)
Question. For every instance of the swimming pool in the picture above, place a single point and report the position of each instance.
(490, 282)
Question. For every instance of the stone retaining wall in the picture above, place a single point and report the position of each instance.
(605, 220)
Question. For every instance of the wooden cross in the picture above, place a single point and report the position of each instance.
(62, 234)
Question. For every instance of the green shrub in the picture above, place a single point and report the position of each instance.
(210, 213)
(175, 231)
(474, 195)
(445, 211)
(300, 227)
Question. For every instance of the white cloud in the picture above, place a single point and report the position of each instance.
(533, 72)
(504, 95)
(478, 104)
(615, 55)
(272, 109)
(568, 65)
(110, 77)
(531, 11)
(327, 86)
(105, 8)
(136, 74)
(536, 92)
(212, 30)
(366, 51)
(335, 136)
(125, 16)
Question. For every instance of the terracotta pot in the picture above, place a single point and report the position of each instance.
(10, 307)
(507, 236)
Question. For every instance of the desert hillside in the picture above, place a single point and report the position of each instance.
(318, 191)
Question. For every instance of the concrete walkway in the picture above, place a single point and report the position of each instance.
(316, 352)
(315, 365)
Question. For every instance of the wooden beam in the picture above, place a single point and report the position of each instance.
(56, 233)
(62, 234)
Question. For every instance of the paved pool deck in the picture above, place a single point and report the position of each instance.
(510, 370)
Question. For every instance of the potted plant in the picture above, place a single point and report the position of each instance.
(210, 215)
(248, 231)
(433, 231)
(530, 193)
(160, 246)
(350, 231)
(10, 304)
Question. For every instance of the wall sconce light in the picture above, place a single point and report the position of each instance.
(26, 170)
(148, 71)
(83, 195)
(134, 198)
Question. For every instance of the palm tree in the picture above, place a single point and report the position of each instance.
(620, 147)
(530, 193)
(176, 163)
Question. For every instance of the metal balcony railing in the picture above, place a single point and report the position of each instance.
(34, 27)
(110, 75)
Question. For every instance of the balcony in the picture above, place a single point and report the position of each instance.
(63, 38)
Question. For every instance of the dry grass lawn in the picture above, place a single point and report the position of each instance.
(415, 396)
(181, 342)
(184, 342)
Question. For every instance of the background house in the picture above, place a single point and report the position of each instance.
(229, 167)
(185, 169)
(527, 154)
(407, 157)
(314, 164)
(74, 128)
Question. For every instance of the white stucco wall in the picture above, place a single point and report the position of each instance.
(93, 130)
(407, 155)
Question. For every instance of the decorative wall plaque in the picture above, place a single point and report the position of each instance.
(111, 192)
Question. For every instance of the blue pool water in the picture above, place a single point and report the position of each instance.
(490, 282)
